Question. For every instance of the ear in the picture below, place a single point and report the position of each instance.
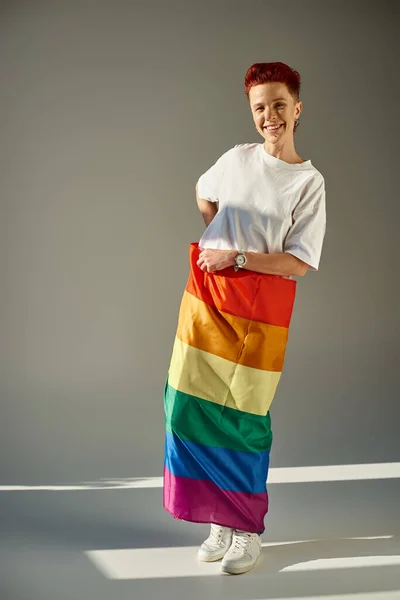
(298, 108)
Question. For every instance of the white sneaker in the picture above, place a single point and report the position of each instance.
(216, 545)
(243, 554)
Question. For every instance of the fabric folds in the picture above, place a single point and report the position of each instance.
(226, 363)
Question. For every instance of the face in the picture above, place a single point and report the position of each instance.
(271, 104)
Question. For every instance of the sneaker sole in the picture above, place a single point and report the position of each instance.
(205, 558)
(238, 570)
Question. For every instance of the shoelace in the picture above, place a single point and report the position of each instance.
(241, 541)
(216, 534)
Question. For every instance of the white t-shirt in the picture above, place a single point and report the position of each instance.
(265, 204)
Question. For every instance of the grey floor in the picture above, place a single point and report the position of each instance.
(332, 540)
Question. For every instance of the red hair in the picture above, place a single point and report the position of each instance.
(273, 72)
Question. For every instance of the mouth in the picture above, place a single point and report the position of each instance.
(273, 129)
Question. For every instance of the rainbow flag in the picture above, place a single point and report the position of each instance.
(225, 367)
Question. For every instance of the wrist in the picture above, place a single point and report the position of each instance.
(231, 257)
(240, 260)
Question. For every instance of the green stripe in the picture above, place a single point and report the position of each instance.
(212, 424)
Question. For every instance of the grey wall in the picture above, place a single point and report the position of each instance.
(110, 111)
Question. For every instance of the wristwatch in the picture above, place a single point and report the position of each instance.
(240, 260)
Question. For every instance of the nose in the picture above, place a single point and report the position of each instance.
(269, 115)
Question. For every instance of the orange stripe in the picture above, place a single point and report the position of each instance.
(264, 298)
(247, 343)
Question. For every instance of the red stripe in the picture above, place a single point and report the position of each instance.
(264, 298)
(201, 501)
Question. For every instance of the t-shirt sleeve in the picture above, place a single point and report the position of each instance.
(306, 235)
(209, 184)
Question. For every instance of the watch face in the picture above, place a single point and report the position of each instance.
(240, 260)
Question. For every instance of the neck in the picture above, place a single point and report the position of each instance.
(285, 152)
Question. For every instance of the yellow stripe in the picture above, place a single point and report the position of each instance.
(222, 381)
(248, 343)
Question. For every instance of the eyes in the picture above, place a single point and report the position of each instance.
(279, 105)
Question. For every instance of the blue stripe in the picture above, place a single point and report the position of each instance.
(228, 469)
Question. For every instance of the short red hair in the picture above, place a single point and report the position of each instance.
(273, 72)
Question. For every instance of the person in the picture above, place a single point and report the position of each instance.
(265, 215)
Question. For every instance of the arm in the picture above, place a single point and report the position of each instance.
(208, 209)
(303, 243)
(305, 237)
(208, 187)
(283, 264)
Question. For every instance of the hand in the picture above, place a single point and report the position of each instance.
(215, 260)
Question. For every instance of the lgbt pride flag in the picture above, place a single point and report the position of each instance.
(225, 367)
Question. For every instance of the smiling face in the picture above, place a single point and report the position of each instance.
(274, 112)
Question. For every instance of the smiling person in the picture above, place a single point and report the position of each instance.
(264, 210)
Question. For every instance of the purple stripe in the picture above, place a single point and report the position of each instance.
(201, 501)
